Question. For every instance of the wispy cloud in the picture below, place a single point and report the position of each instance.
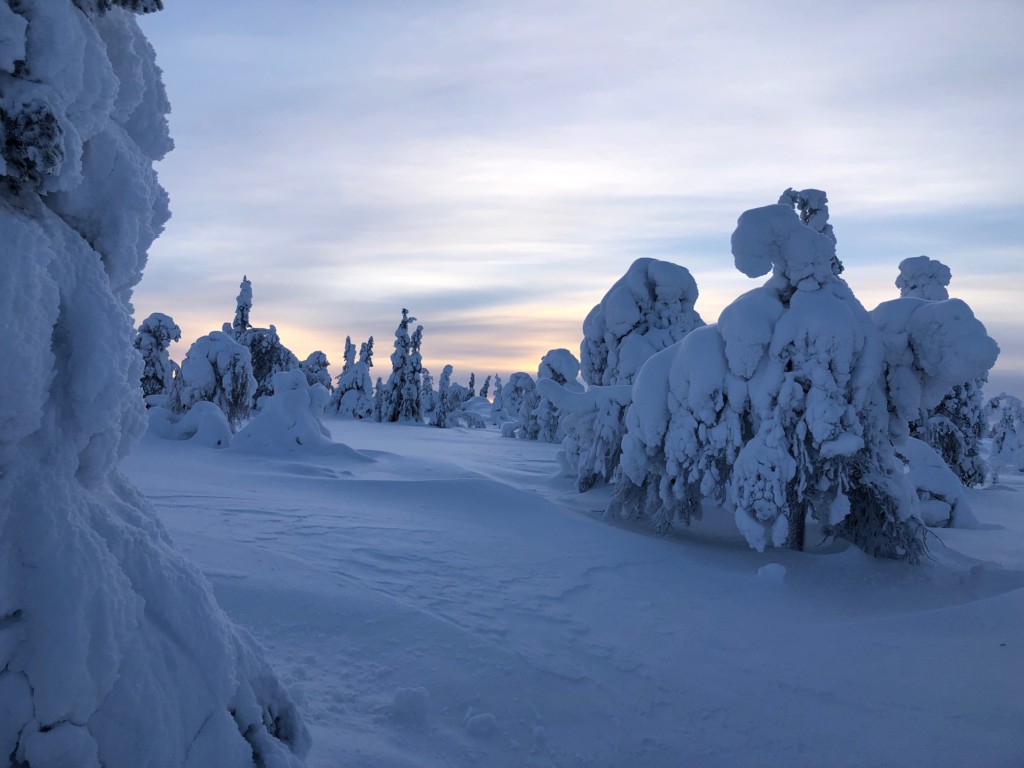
(495, 167)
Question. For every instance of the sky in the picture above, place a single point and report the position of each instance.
(494, 166)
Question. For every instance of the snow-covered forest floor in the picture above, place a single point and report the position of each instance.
(444, 598)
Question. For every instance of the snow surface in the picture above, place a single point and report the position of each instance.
(455, 602)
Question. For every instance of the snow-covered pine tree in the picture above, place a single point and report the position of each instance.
(955, 426)
(349, 355)
(498, 403)
(472, 386)
(812, 207)
(540, 416)
(648, 308)
(243, 308)
(399, 398)
(485, 387)
(269, 356)
(113, 648)
(216, 369)
(315, 367)
(353, 394)
(1007, 431)
(445, 401)
(154, 336)
(429, 397)
(778, 409)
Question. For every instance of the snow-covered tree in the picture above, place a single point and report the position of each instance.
(429, 397)
(269, 356)
(485, 387)
(646, 310)
(446, 404)
(779, 410)
(353, 394)
(154, 336)
(956, 425)
(315, 367)
(349, 354)
(472, 385)
(216, 369)
(399, 398)
(812, 207)
(113, 650)
(1007, 431)
(540, 416)
(519, 388)
(243, 307)
(497, 404)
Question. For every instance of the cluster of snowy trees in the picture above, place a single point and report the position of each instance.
(113, 650)
(797, 405)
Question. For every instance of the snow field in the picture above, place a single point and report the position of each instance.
(444, 598)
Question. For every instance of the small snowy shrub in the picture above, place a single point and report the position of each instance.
(154, 336)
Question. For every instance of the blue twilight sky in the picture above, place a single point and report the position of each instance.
(496, 166)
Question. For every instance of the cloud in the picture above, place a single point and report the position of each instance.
(497, 167)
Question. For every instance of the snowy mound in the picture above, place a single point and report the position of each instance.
(204, 423)
(112, 649)
(289, 419)
(646, 310)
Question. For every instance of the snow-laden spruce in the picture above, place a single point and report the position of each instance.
(509, 400)
(647, 309)
(353, 391)
(113, 650)
(315, 367)
(778, 410)
(216, 369)
(156, 333)
(399, 398)
(936, 357)
(955, 426)
(540, 417)
(1006, 413)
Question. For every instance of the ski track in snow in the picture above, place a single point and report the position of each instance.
(453, 602)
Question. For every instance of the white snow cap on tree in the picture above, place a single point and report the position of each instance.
(646, 310)
(923, 278)
(113, 650)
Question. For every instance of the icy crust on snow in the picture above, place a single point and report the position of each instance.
(923, 278)
(646, 310)
(112, 649)
(776, 411)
